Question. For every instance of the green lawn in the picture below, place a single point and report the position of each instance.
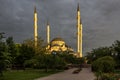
(25, 75)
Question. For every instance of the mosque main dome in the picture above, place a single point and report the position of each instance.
(58, 44)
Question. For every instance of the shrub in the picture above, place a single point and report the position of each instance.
(104, 64)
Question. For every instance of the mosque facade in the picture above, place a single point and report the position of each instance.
(58, 44)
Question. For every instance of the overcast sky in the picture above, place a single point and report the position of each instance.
(100, 18)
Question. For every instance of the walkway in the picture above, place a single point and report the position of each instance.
(85, 74)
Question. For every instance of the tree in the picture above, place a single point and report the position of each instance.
(29, 54)
(104, 64)
(39, 49)
(2, 54)
(98, 53)
(103, 67)
(12, 51)
(58, 62)
(25, 53)
(116, 52)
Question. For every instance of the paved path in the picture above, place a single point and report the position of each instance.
(85, 74)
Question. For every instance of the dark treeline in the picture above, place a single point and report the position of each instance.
(26, 55)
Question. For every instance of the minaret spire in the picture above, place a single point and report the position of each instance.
(78, 7)
(79, 33)
(48, 32)
(35, 11)
(35, 27)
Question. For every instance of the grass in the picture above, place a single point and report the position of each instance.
(25, 75)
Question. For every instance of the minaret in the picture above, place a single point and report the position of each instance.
(35, 27)
(79, 33)
(48, 33)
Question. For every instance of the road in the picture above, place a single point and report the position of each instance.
(85, 74)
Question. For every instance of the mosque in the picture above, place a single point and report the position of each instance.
(58, 44)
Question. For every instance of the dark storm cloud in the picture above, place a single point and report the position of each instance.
(100, 20)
